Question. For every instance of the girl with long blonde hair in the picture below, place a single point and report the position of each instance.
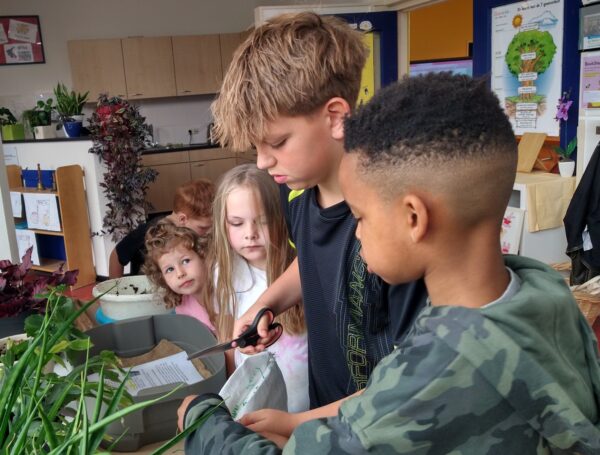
(250, 250)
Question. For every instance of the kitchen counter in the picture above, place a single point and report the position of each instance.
(149, 150)
(178, 148)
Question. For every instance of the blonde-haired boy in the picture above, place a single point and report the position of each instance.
(287, 92)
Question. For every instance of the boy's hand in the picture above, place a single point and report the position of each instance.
(181, 410)
(272, 422)
(266, 336)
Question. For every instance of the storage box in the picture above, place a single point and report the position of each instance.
(30, 178)
(137, 336)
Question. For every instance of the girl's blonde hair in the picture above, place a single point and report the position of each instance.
(279, 252)
(162, 238)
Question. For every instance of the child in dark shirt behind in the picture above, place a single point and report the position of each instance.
(192, 208)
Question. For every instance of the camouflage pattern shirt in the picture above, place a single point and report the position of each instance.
(518, 377)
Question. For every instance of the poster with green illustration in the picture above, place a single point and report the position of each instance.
(527, 61)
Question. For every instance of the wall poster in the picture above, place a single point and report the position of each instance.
(21, 40)
(527, 44)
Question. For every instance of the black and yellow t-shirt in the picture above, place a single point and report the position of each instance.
(349, 323)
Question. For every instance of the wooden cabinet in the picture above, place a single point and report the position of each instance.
(149, 70)
(229, 42)
(176, 168)
(212, 163)
(173, 170)
(97, 67)
(247, 156)
(72, 244)
(197, 62)
(152, 67)
(211, 169)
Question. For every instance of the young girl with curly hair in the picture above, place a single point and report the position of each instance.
(175, 263)
(250, 250)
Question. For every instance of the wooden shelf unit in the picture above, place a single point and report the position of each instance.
(75, 234)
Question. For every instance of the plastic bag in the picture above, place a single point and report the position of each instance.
(256, 384)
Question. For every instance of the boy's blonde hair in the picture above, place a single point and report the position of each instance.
(221, 256)
(162, 238)
(290, 66)
(195, 198)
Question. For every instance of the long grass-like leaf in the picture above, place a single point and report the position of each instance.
(48, 428)
(83, 446)
(112, 418)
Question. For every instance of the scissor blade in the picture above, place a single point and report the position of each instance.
(212, 350)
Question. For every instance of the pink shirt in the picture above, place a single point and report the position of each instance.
(191, 307)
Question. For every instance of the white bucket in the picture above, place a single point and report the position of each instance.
(129, 297)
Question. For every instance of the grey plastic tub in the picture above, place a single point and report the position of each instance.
(137, 336)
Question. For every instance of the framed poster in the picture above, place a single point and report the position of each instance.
(589, 82)
(589, 29)
(527, 44)
(21, 40)
(484, 60)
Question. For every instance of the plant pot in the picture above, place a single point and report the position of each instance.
(72, 129)
(13, 132)
(44, 132)
(13, 324)
(566, 167)
(129, 297)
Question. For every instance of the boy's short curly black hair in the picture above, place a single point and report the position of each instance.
(441, 132)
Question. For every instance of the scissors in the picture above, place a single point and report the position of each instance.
(248, 337)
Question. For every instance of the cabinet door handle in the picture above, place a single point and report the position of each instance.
(186, 91)
(138, 94)
(198, 164)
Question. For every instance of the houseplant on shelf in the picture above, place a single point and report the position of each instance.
(39, 119)
(566, 166)
(69, 105)
(118, 131)
(11, 129)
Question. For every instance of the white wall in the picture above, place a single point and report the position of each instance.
(63, 20)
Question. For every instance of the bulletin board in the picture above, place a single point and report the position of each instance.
(21, 40)
(569, 74)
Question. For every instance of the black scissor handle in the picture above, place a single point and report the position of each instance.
(250, 336)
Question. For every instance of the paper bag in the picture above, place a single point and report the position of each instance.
(256, 384)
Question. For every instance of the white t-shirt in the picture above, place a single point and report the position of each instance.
(291, 351)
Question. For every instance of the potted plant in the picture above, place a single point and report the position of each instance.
(566, 166)
(69, 105)
(19, 292)
(51, 410)
(39, 119)
(118, 132)
(11, 129)
(49, 402)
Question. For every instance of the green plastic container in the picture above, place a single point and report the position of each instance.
(13, 132)
(132, 337)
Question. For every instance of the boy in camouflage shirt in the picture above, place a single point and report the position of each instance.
(501, 361)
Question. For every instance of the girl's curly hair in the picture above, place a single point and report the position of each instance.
(161, 239)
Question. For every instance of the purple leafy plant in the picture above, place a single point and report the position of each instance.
(19, 293)
(118, 131)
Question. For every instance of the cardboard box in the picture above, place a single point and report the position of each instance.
(529, 149)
